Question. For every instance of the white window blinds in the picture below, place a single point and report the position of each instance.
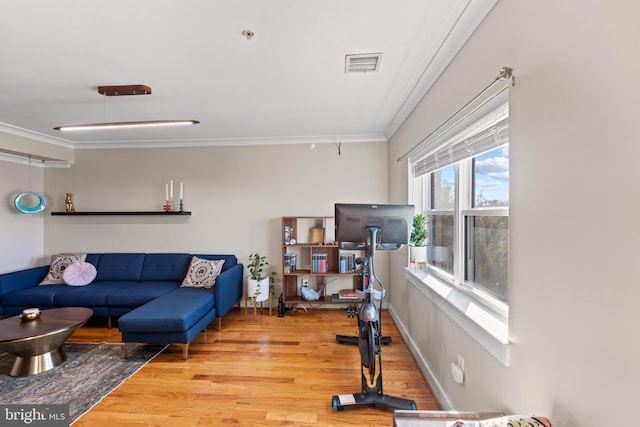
(486, 129)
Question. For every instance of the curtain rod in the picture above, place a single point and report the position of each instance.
(505, 73)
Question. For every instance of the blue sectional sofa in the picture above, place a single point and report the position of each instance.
(143, 290)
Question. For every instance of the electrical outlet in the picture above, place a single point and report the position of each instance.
(461, 363)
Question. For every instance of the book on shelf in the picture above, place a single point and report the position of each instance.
(290, 262)
(347, 263)
(348, 294)
(319, 263)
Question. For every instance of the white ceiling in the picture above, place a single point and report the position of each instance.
(286, 85)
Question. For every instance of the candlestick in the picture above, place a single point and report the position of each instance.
(166, 192)
(181, 207)
(171, 189)
(181, 187)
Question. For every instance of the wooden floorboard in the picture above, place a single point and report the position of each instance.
(258, 371)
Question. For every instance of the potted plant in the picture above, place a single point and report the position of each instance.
(259, 284)
(418, 240)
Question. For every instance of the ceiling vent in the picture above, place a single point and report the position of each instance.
(362, 62)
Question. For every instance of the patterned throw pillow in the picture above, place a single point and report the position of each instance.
(508, 421)
(58, 264)
(202, 273)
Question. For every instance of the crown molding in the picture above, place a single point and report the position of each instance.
(219, 142)
(469, 18)
(33, 161)
(36, 136)
(209, 142)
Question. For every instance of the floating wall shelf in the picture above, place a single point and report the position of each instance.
(157, 213)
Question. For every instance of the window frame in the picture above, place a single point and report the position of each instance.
(463, 210)
(479, 313)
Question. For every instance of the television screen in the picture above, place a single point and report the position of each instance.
(352, 220)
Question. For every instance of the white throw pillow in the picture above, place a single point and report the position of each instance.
(79, 274)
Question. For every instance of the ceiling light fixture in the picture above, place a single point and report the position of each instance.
(123, 91)
(129, 125)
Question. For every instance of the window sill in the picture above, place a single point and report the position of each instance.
(479, 322)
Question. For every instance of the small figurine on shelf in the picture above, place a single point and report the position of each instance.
(69, 203)
(309, 294)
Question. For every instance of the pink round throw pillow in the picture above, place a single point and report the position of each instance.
(79, 274)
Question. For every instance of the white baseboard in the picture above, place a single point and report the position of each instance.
(422, 364)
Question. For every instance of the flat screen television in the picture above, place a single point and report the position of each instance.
(352, 220)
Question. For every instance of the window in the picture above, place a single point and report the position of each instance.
(486, 237)
(441, 218)
(462, 185)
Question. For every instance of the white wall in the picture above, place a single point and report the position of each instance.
(21, 235)
(237, 196)
(574, 229)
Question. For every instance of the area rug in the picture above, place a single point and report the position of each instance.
(91, 372)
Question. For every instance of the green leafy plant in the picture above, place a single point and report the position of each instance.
(419, 230)
(256, 266)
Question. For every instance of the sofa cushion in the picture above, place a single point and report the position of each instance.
(166, 267)
(36, 296)
(22, 279)
(175, 311)
(93, 295)
(79, 274)
(140, 293)
(59, 263)
(162, 337)
(119, 266)
(202, 273)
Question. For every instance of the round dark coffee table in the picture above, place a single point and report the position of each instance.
(37, 344)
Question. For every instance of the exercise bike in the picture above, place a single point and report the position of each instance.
(369, 341)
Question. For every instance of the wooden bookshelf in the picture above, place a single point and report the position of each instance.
(304, 237)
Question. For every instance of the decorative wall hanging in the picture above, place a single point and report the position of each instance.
(20, 205)
(25, 196)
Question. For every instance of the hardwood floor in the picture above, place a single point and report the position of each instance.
(259, 371)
